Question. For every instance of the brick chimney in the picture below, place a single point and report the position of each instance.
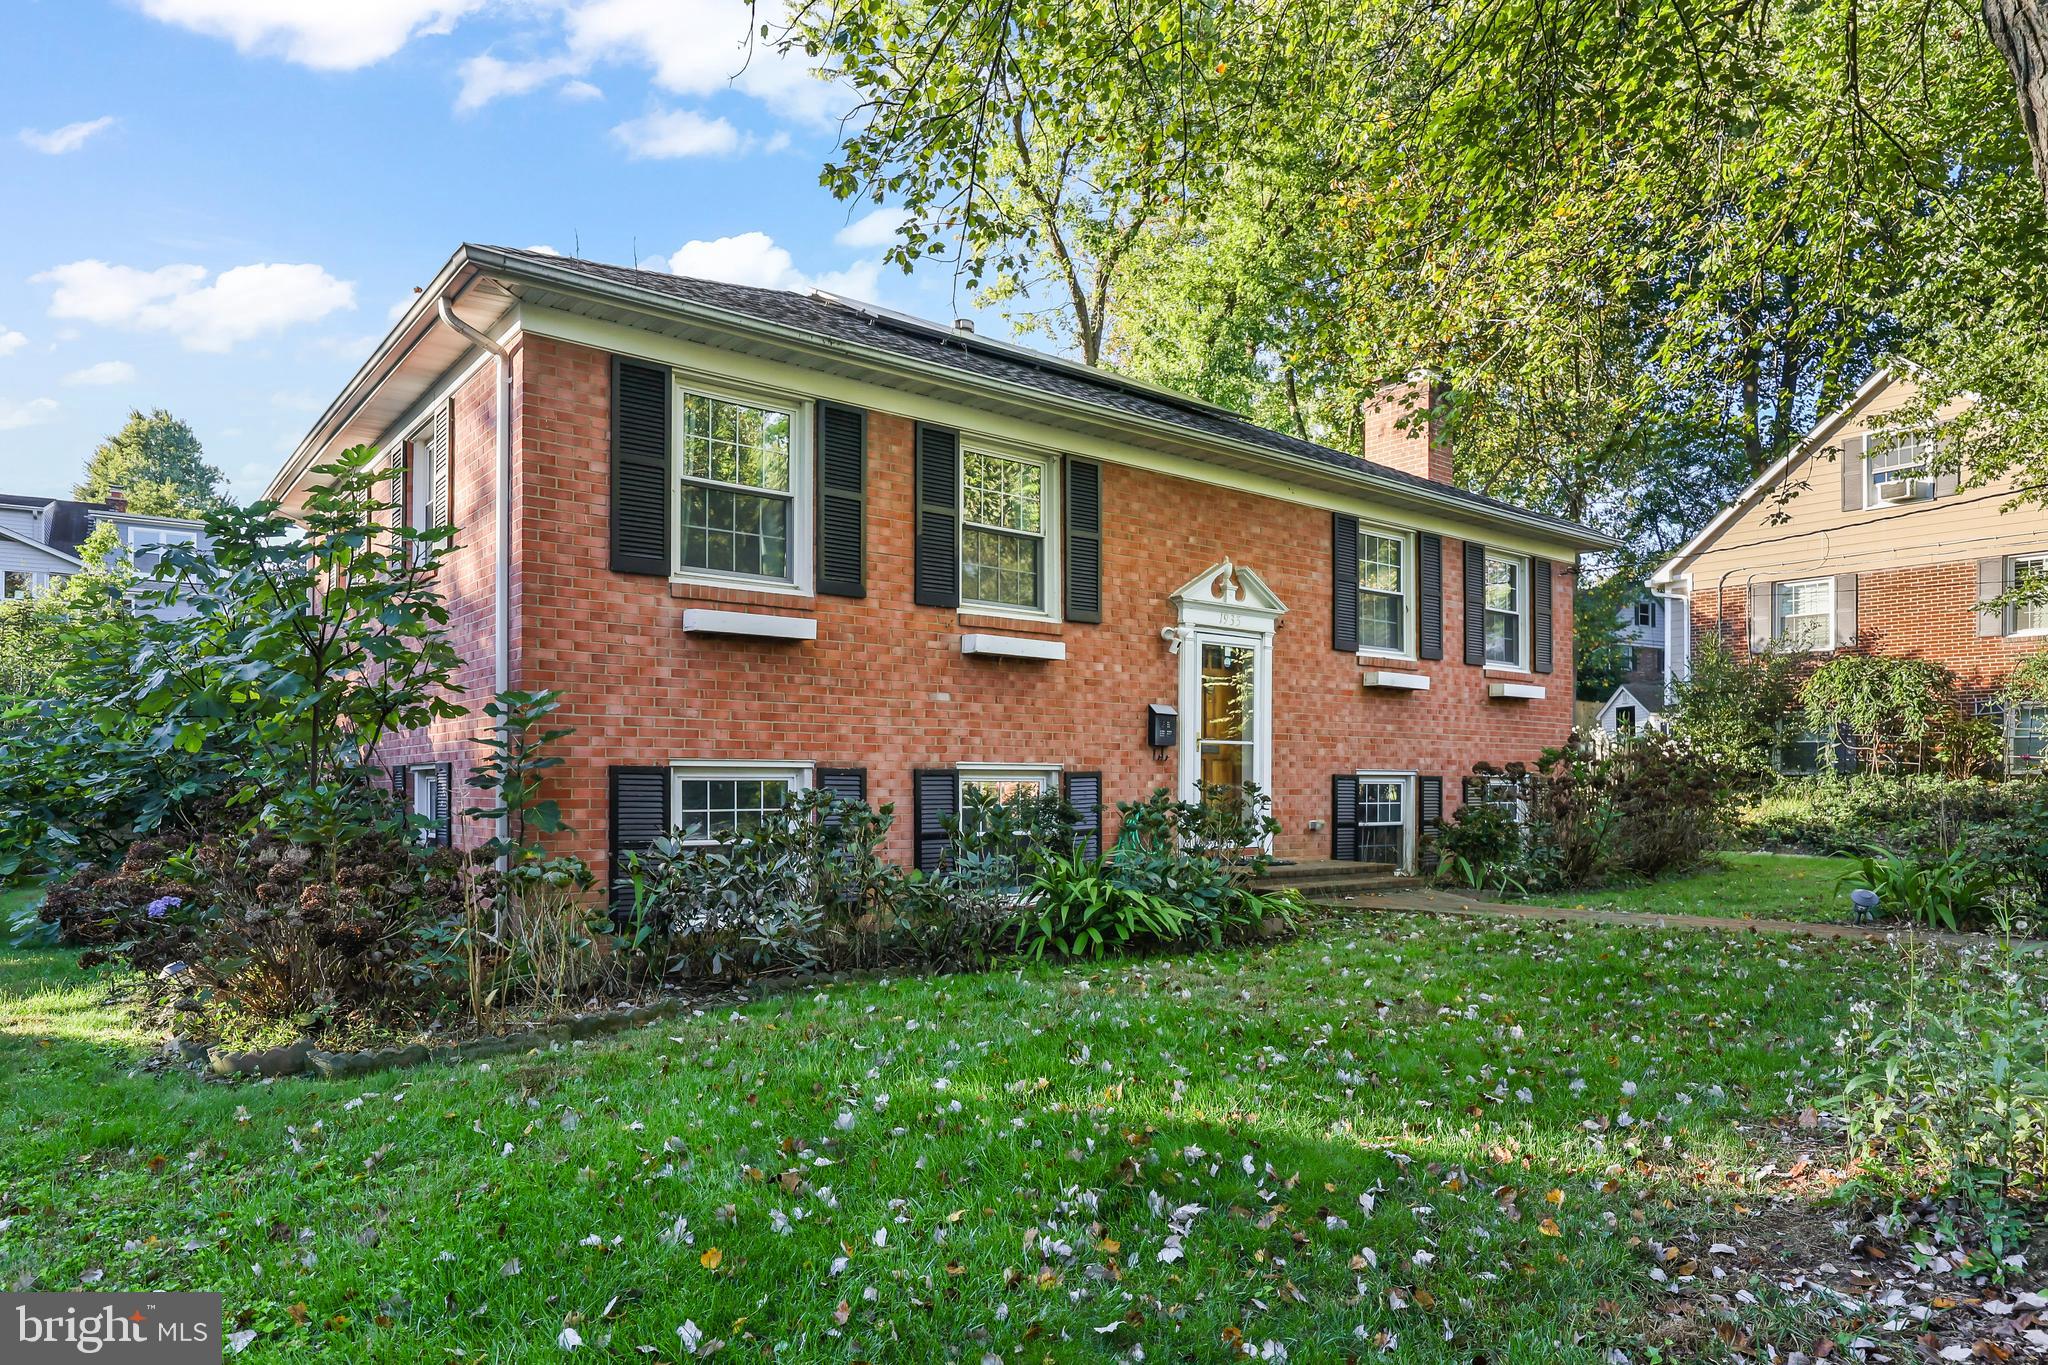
(117, 499)
(1397, 433)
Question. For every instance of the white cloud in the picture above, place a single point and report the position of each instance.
(329, 35)
(10, 341)
(698, 47)
(69, 138)
(754, 258)
(544, 250)
(485, 78)
(106, 372)
(669, 133)
(14, 416)
(580, 90)
(872, 231)
(237, 304)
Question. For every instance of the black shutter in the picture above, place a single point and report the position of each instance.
(842, 500)
(935, 797)
(640, 468)
(1429, 604)
(1084, 794)
(1429, 801)
(1344, 584)
(1084, 541)
(398, 786)
(848, 784)
(1539, 630)
(937, 572)
(639, 816)
(1475, 602)
(1344, 817)
(444, 824)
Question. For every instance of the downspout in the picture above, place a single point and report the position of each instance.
(501, 573)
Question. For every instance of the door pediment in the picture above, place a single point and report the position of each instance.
(1227, 596)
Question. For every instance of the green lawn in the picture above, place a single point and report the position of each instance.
(1737, 886)
(1369, 1129)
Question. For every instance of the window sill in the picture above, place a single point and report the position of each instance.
(1368, 658)
(1020, 625)
(1391, 681)
(1513, 691)
(758, 625)
(1012, 647)
(1514, 669)
(736, 593)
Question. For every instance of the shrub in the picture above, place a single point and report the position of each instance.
(1954, 892)
(1896, 714)
(1077, 907)
(1729, 708)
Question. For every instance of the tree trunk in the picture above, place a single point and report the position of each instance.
(2019, 29)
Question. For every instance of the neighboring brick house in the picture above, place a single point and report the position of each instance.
(763, 540)
(1857, 542)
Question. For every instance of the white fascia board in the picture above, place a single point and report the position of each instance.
(758, 624)
(1013, 647)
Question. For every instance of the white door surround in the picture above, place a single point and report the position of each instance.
(1229, 607)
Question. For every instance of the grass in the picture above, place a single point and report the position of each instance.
(1434, 1138)
(1736, 886)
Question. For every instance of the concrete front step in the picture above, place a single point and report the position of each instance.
(1320, 881)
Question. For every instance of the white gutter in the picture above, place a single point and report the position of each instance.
(501, 572)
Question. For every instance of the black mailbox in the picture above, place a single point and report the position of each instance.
(1162, 726)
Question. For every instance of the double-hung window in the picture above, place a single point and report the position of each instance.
(1004, 784)
(1897, 468)
(16, 583)
(1802, 750)
(1005, 507)
(2027, 737)
(1383, 587)
(1804, 614)
(146, 544)
(710, 799)
(1646, 613)
(1383, 820)
(2030, 615)
(1507, 614)
(740, 462)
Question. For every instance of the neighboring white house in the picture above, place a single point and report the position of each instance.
(1629, 711)
(41, 538)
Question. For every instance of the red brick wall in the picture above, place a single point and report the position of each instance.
(468, 586)
(1923, 612)
(885, 687)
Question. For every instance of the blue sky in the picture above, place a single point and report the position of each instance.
(215, 206)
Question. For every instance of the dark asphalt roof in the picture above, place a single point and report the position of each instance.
(947, 348)
(70, 523)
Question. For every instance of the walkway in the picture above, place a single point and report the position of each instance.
(1428, 901)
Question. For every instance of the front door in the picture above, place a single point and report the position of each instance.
(1226, 692)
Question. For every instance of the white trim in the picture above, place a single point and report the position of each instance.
(1411, 814)
(2011, 580)
(1512, 691)
(1051, 548)
(2011, 728)
(1046, 773)
(759, 624)
(1393, 681)
(1815, 440)
(1927, 453)
(799, 776)
(1525, 607)
(1012, 647)
(684, 381)
(1409, 554)
(1777, 617)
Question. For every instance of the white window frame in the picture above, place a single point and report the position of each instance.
(421, 782)
(797, 582)
(2012, 720)
(1522, 613)
(1646, 615)
(1883, 443)
(799, 776)
(1406, 540)
(2012, 580)
(1405, 862)
(1046, 775)
(38, 581)
(1049, 504)
(1793, 729)
(1778, 612)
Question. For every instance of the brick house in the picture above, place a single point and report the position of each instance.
(764, 540)
(1857, 541)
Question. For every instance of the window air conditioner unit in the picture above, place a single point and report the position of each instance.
(1902, 490)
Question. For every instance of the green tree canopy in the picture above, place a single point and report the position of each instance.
(157, 461)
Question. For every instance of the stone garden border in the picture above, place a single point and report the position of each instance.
(301, 1058)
